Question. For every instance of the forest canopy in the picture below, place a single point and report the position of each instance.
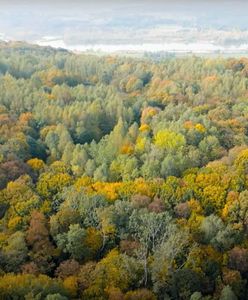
(122, 178)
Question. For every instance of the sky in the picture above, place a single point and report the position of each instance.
(140, 25)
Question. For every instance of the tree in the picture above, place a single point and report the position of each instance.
(236, 210)
(238, 259)
(55, 297)
(11, 170)
(115, 270)
(227, 294)
(36, 164)
(139, 294)
(169, 140)
(38, 239)
(26, 285)
(22, 199)
(50, 184)
(166, 260)
(67, 268)
(73, 242)
(184, 283)
(150, 230)
(15, 252)
(217, 234)
(133, 84)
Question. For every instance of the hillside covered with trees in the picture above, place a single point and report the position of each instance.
(122, 178)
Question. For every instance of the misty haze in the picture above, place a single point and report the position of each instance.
(181, 26)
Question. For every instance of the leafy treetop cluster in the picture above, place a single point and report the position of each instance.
(122, 178)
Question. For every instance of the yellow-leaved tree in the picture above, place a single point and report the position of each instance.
(169, 140)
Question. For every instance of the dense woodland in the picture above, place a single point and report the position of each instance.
(122, 178)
